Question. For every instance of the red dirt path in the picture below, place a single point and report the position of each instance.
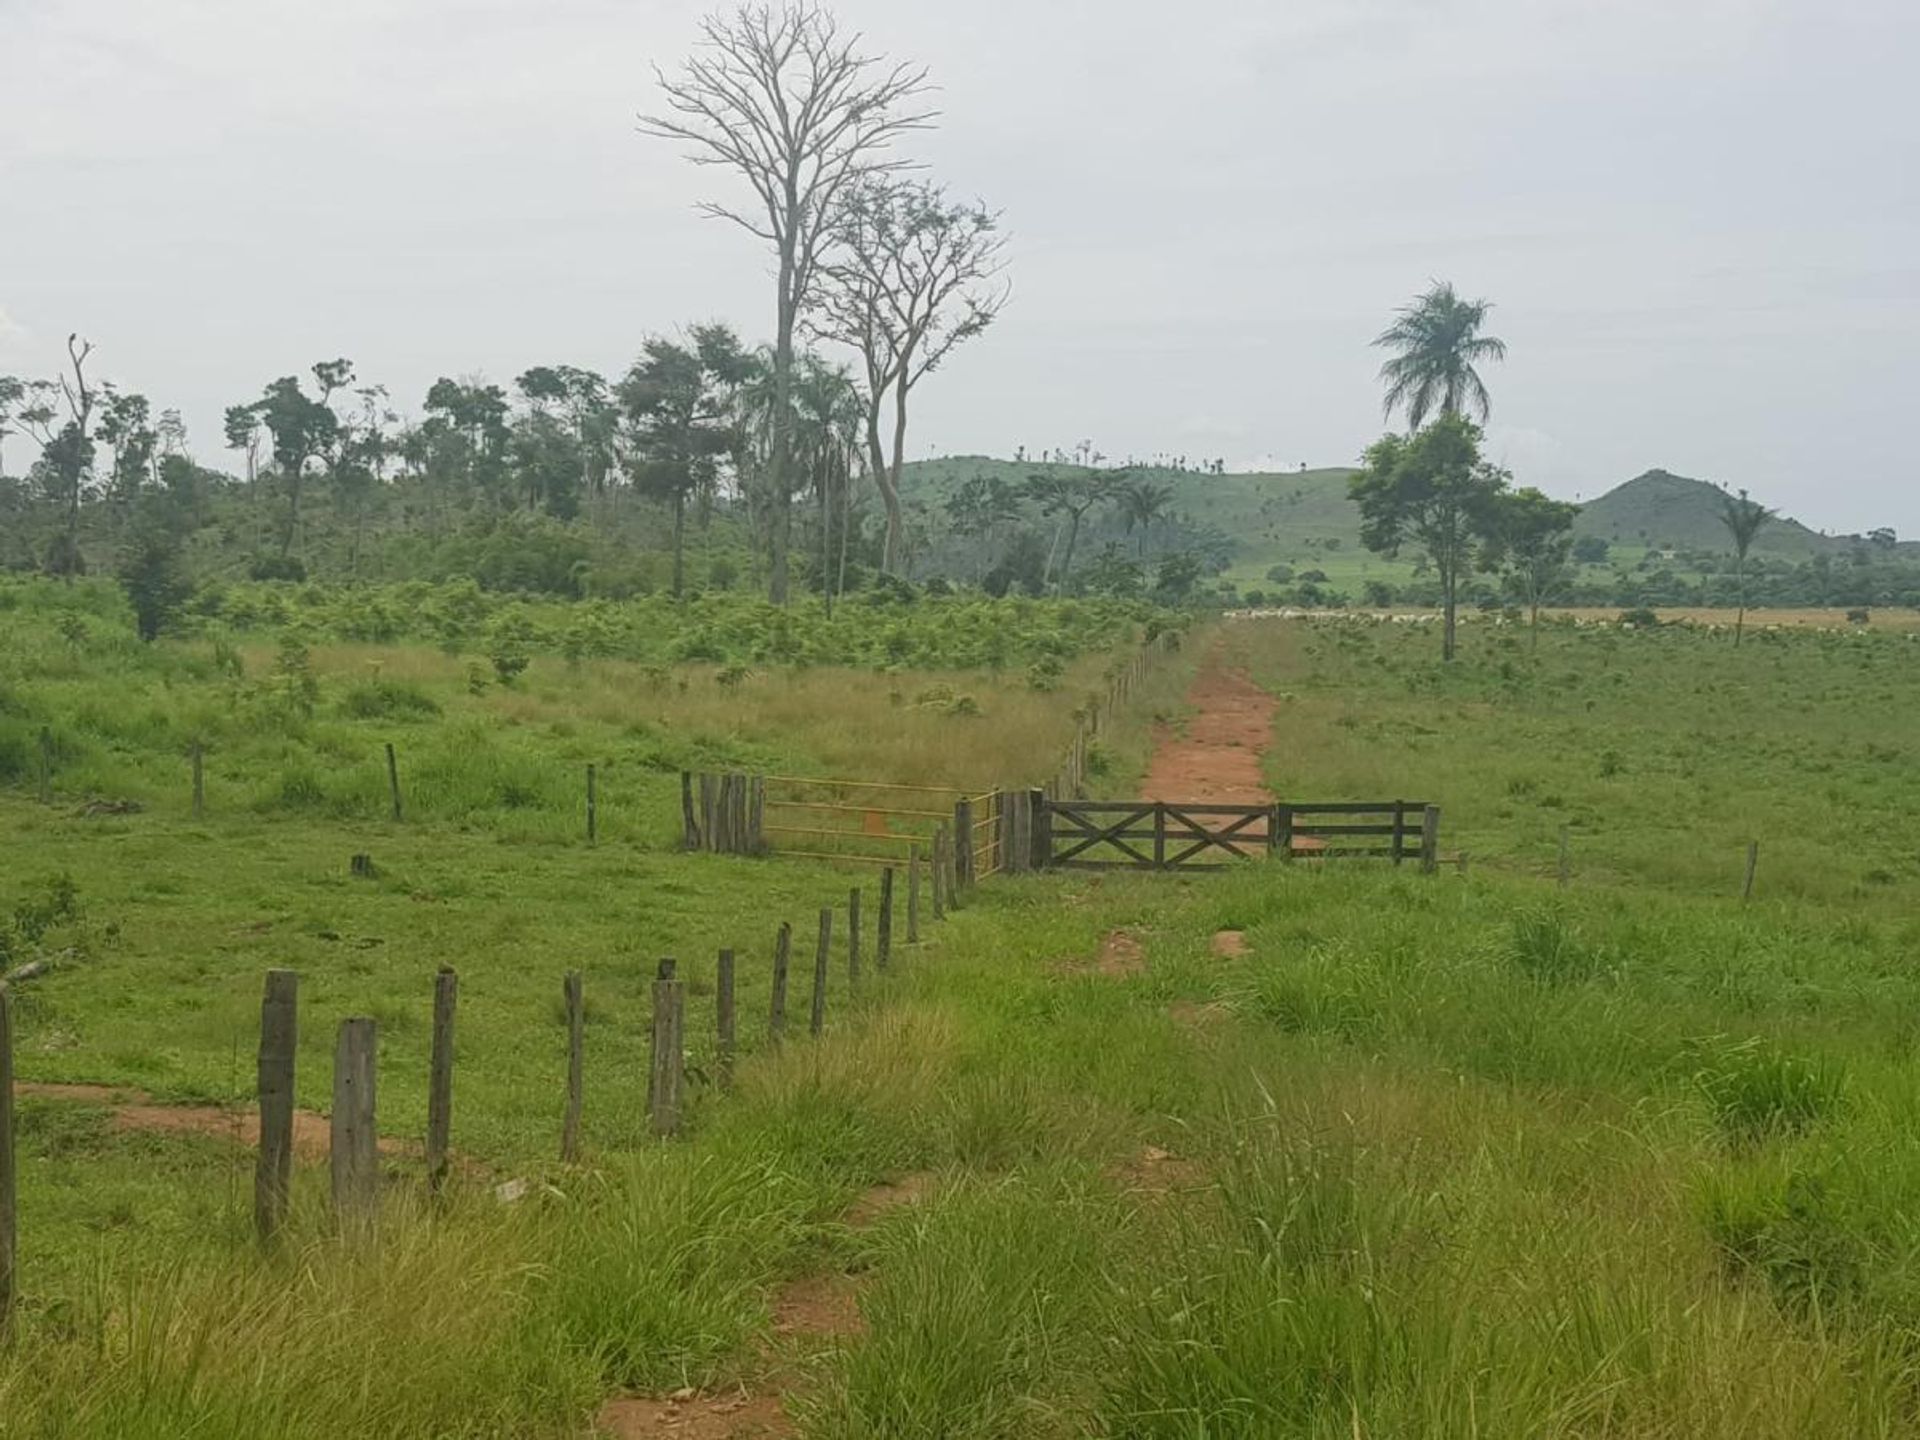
(1217, 760)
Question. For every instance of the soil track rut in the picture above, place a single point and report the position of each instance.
(1216, 761)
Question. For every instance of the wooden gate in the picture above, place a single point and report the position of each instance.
(1163, 835)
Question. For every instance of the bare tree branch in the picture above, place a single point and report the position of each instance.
(781, 97)
(912, 276)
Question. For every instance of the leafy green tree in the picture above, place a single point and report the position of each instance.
(1433, 490)
(681, 404)
(13, 399)
(777, 94)
(241, 429)
(1744, 519)
(126, 429)
(466, 437)
(150, 569)
(1590, 550)
(1175, 577)
(1113, 572)
(1141, 503)
(302, 430)
(1070, 497)
(582, 401)
(979, 509)
(1529, 540)
(1437, 342)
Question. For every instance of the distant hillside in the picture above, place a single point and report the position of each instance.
(1671, 512)
(1304, 518)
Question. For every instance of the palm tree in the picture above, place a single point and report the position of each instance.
(1438, 341)
(1744, 519)
(1142, 503)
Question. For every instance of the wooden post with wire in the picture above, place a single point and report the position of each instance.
(1430, 840)
(446, 992)
(782, 960)
(354, 1153)
(273, 1162)
(817, 1020)
(962, 846)
(883, 938)
(393, 779)
(669, 1055)
(1565, 859)
(1753, 864)
(853, 938)
(913, 894)
(593, 807)
(571, 991)
(723, 1009)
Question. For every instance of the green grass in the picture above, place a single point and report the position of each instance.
(1455, 1154)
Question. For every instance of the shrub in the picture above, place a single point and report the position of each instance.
(1541, 943)
(1756, 1092)
(388, 700)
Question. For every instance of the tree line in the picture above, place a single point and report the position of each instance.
(872, 259)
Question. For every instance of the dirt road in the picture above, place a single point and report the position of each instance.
(1217, 758)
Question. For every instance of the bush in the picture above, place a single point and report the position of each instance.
(1640, 618)
(388, 700)
(277, 567)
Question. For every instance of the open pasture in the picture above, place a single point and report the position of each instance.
(1291, 1150)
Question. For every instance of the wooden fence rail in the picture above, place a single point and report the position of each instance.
(1162, 835)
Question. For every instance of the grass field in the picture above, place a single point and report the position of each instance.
(1466, 1154)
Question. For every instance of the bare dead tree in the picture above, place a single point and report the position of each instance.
(911, 276)
(785, 100)
(66, 447)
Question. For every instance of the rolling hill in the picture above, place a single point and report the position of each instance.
(1305, 518)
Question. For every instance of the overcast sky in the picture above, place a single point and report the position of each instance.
(1699, 220)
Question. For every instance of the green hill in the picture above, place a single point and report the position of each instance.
(1304, 519)
(1661, 511)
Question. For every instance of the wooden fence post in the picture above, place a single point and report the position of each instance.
(883, 939)
(393, 779)
(446, 992)
(1430, 840)
(757, 816)
(853, 938)
(723, 1008)
(1282, 836)
(1160, 835)
(669, 1055)
(355, 1154)
(1564, 865)
(9, 1191)
(962, 845)
(1400, 833)
(1040, 847)
(571, 990)
(709, 839)
(199, 784)
(593, 808)
(46, 766)
(913, 895)
(1753, 864)
(689, 827)
(818, 1019)
(937, 871)
(782, 959)
(273, 1163)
